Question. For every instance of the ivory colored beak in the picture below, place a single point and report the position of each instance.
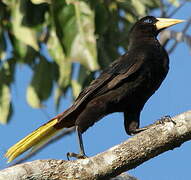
(163, 23)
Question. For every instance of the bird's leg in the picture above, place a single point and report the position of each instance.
(94, 110)
(81, 155)
(131, 122)
(80, 142)
(138, 130)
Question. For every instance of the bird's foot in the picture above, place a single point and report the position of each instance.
(136, 131)
(75, 155)
(164, 119)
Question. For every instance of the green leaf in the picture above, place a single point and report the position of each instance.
(84, 78)
(75, 29)
(32, 97)
(7, 2)
(83, 75)
(6, 78)
(76, 88)
(63, 82)
(139, 7)
(7, 71)
(5, 105)
(101, 18)
(21, 32)
(30, 56)
(153, 4)
(2, 45)
(40, 1)
(74, 40)
(63, 64)
(41, 85)
(33, 14)
(20, 49)
(55, 48)
(83, 48)
(58, 96)
(174, 2)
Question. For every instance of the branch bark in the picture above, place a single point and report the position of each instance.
(158, 138)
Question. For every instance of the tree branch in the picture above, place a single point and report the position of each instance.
(177, 9)
(177, 36)
(158, 138)
(166, 35)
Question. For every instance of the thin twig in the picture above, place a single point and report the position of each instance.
(183, 32)
(45, 113)
(162, 8)
(179, 36)
(177, 9)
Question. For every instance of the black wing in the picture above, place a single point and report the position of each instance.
(119, 70)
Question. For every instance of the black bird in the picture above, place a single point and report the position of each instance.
(125, 86)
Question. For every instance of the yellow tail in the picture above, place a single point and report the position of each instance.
(33, 140)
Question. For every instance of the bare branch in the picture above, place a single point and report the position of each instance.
(183, 32)
(162, 8)
(158, 138)
(166, 35)
(177, 9)
(177, 36)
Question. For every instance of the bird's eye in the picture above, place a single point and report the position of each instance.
(148, 21)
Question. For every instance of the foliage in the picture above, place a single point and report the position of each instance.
(84, 32)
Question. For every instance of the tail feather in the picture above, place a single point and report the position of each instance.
(33, 140)
(45, 139)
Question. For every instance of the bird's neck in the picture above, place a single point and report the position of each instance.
(141, 41)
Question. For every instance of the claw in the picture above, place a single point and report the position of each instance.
(136, 131)
(77, 156)
(164, 119)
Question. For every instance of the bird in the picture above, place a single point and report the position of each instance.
(124, 86)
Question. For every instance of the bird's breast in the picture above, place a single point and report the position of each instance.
(154, 72)
(146, 81)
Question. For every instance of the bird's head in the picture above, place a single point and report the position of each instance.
(150, 25)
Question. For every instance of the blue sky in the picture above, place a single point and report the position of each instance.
(172, 98)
